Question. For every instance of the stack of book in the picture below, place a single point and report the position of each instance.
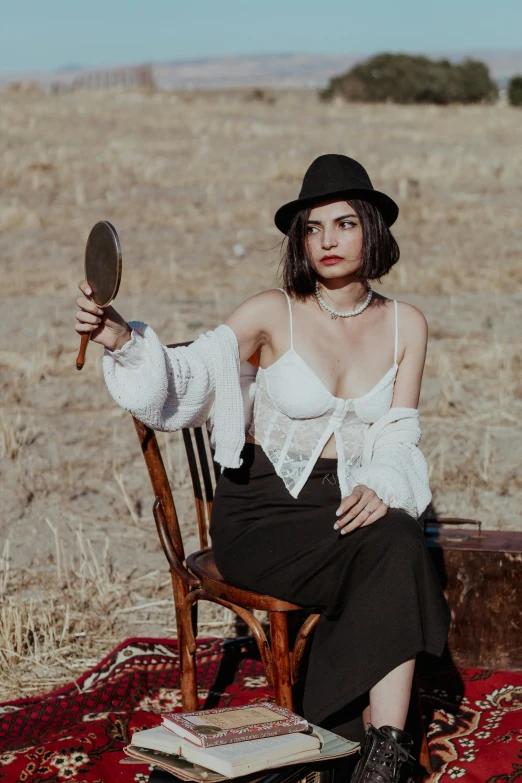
(214, 745)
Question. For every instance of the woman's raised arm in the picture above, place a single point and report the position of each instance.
(171, 388)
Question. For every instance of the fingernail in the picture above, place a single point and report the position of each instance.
(100, 311)
(343, 532)
(88, 290)
(337, 512)
(336, 526)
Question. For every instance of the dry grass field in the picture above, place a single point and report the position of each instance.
(184, 177)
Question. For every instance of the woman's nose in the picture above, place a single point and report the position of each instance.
(329, 240)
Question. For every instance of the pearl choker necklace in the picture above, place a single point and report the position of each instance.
(333, 313)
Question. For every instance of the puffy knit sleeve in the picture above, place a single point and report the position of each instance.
(165, 388)
(189, 386)
(394, 467)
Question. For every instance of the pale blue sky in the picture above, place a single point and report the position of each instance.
(47, 34)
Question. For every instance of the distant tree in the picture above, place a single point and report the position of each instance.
(404, 78)
(515, 90)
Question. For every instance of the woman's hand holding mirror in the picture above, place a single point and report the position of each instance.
(102, 266)
(104, 325)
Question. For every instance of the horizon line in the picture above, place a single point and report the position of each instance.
(242, 55)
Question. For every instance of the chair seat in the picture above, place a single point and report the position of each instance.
(203, 566)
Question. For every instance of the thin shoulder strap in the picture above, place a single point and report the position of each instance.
(396, 331)
(290, 311)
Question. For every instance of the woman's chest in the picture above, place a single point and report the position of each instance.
(291, 388)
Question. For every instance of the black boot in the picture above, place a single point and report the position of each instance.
(385, 757)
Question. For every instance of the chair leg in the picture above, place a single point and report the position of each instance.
(424, 754)
(187, 658)
(281, 665)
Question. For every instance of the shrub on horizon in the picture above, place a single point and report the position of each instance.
(514, 91)
(404, 78)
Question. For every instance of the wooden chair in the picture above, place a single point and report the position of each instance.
(195, 578)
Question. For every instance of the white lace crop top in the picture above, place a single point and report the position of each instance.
(295, 415)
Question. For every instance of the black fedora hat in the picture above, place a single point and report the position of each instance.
(330, 176)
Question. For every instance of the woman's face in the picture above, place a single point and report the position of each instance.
(334, 239)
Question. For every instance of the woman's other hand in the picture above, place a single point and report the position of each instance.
(361, 508)
(105, 326)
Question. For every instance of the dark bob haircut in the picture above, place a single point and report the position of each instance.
(379, 253)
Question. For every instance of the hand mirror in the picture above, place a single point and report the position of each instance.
(102, 270)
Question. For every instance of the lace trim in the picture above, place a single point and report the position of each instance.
(290, 447)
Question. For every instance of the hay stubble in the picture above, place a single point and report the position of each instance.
(185, 178)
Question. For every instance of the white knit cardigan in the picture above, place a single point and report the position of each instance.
(204, 383)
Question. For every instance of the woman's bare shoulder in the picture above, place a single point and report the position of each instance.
(410, 318)
(260, 307)
(269, 297)
(413, 332)
(413, 320)
(255, 319)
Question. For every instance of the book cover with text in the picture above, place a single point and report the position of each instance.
(225, 725)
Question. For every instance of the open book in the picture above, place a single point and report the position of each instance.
(331, 746)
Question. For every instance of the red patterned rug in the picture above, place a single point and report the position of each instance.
(77, 733)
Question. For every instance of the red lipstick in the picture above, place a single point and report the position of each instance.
(331, 260)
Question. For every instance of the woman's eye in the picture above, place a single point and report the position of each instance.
(311, 229)
(347, 223)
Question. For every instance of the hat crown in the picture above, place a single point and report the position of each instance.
(335, 177)
(331, 173)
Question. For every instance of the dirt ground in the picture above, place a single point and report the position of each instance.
(184, 178)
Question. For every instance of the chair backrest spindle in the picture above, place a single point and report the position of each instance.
(205, 468)
(204, 473)
(203, 492)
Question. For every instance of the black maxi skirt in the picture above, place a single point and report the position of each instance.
(376, 588)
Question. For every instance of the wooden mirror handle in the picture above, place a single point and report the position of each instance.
(80, 359)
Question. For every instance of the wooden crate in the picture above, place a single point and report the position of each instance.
(481, 573)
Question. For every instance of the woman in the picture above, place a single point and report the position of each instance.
(322, 482)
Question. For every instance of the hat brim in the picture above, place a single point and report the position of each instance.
(284, 216)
